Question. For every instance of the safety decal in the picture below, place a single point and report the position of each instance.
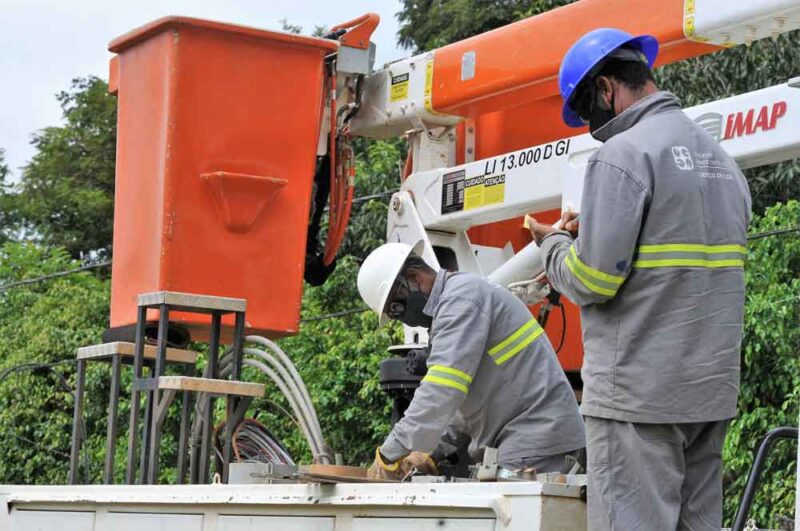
(453, 192)
(399, 90)
(484, 190)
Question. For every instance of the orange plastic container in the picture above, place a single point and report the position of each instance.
(217, 133)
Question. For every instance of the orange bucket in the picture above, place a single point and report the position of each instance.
(217, 133)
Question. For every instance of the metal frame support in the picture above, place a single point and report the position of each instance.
(77, 422)
(208, 413)
(133, 428)
(113, 406)
(185, 428)
(157, 409)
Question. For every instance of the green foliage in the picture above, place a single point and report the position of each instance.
(770, 391)
(8, 219)
(429, 24)
(65, 197)
(377, 172)
(735, 71)
(45, 322)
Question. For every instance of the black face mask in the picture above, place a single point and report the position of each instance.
(586, 104)
(599, 116)
(413, 314)
(409, 309)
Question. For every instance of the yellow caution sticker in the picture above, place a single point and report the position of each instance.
(484, 190)
(473, 192)
(399, 89)
(494, 189)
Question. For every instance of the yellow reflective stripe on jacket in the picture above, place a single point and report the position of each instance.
(593, 284)
(446, 382)
(449, 370)
(513, 344)
(448, 377)
(691, 247)
(590, 271)
(510, 339)
(690, 255)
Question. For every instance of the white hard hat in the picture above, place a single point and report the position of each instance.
(379, 271)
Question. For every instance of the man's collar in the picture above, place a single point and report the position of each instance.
(655, 103)
(436, 293)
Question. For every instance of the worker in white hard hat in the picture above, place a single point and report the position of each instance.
(492, 374)
(656, 265)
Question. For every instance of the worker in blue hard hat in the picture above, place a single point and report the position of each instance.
(656, 265)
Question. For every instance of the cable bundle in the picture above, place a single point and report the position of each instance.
(279, 368)
(252, 441)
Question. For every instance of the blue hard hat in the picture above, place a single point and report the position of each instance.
(588, 52)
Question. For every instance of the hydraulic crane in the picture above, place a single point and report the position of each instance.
(228, 150)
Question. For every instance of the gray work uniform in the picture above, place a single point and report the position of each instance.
(657, 269)
(492, 375)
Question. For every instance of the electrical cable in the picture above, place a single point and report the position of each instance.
(58, 274)
(300, 384)
(563, 327)
(293, 400)
(776, 232)
(314, 441)
(327, 316)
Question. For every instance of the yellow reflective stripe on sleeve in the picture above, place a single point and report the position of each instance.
(590, 271)
(449, 370)
(513, 337)
(688, 262)
(445, 382)
(521, 345)
(691, 248)
(690, 255)
(586, 281)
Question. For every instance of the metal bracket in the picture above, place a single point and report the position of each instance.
(487, 470)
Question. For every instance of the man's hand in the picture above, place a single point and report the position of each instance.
(538, 230)
(414, 463)
(419, 463)
(569, 222)
(380, 469)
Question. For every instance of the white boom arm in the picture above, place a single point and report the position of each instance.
(756, 128)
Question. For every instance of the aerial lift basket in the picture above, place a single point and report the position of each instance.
(217, 133)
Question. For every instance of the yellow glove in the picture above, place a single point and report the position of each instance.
(419, 463)
(383, 470)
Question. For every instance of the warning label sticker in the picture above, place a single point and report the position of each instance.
(494, 189)
(399, 90)
(473, 192)
(484, 190)
(453, 192)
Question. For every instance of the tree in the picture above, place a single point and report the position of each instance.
(429, 24)
(770, 390)
(66, 192)
(44, 323)
(377, 175)
(8, 219)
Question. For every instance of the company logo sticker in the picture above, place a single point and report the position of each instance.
(683, 158)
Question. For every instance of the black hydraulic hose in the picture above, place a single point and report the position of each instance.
(754, 477)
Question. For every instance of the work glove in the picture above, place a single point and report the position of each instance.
(419, 464)
(382, 470)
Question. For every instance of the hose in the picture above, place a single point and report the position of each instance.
(280, 369)
(310, 436)
(263, 341)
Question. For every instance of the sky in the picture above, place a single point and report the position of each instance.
(44, 44)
